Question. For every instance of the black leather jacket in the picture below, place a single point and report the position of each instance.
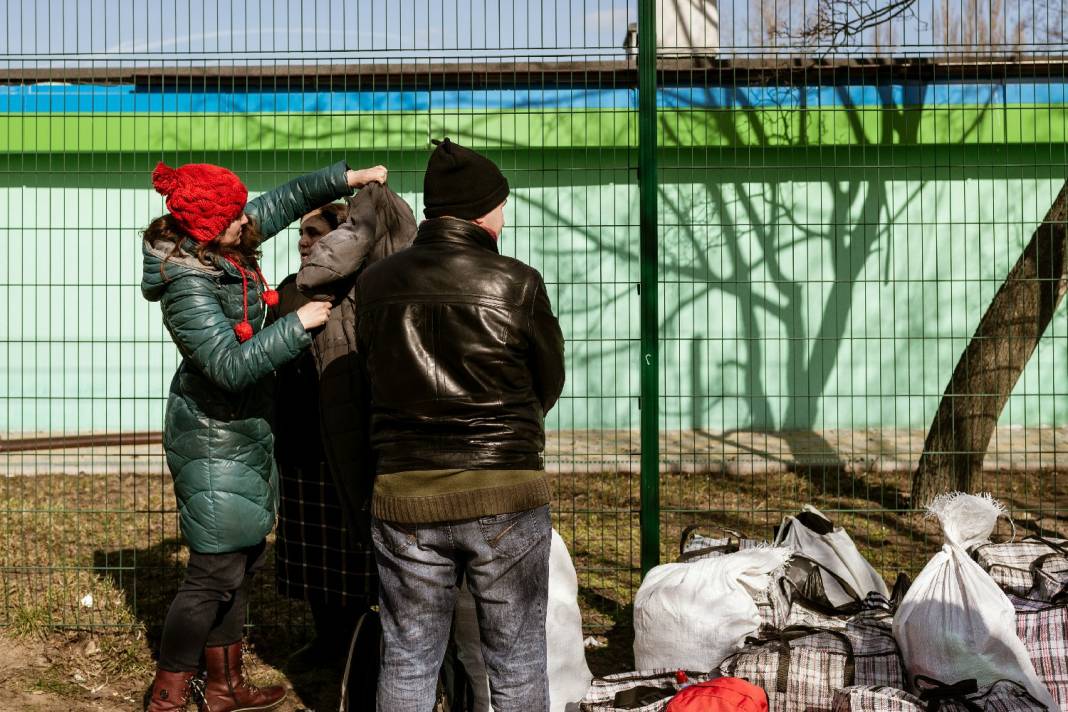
(463, 352)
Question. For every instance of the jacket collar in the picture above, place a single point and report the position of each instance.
(160, 249)
(456, 231)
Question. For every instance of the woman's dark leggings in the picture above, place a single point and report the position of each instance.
(209, 608)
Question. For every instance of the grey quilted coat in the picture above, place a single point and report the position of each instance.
(379, 224)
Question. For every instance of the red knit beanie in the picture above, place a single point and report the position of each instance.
(203, 198)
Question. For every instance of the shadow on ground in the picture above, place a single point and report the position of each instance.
(277, 626)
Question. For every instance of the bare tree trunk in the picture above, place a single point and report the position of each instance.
(993, 361)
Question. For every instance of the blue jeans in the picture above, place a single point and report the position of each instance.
(505, 560)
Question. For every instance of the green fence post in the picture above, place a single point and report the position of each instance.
(650, 321)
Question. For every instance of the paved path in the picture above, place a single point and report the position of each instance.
(874, 450)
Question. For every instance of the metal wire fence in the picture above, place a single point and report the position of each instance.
(841, 190)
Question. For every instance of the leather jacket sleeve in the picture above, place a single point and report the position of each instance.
(547, 349)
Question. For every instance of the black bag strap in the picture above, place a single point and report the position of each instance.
(685, 537)
(817, 523)
(369, 625)
(825, 606)
(901, 586)
(1058, 548)
(729, 548)
(934, 692)
(785, 636)
(1036, 572)
(636, 697)
(702, 553)
(1059, 552)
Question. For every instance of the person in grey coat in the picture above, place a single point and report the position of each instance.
(323, 553)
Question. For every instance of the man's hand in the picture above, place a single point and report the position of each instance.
(360, 178)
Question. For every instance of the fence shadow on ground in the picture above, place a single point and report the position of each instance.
(617, 655)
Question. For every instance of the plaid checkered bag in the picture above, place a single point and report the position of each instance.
(602, 694)
(876, 698)
(801, 667)
(694, 546)
(876, 608)
(1002, 696)
(809, 605)
(773, 605)
(1035, 568)
(1043, 628)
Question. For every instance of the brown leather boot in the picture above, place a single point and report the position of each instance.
(169, 691)
(227, 690)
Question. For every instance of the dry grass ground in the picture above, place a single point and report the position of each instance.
(89, 563)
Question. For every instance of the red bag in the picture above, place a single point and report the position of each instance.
(724, 694)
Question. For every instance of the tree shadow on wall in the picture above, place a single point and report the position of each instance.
(745, 253)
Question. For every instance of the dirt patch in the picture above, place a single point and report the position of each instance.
(59, 672)
(35, 675)
(18, 665)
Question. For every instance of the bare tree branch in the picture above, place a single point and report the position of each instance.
(960, 27)
(837, 21)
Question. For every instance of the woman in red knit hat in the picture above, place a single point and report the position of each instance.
(201, 264)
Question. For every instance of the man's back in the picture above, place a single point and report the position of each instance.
(463, 353)
(465, 358)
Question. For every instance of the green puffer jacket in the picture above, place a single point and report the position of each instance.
(217, 432)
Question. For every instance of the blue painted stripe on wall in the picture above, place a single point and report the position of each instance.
(917, 94)
(55, 98)
(126, 99)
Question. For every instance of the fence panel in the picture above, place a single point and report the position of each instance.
(840, 198)
(839, 207)
(272, 90)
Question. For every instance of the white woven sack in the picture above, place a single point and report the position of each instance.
(773, 604)
(569, 675)
(693, 615)
(955, 623)
(835, 551)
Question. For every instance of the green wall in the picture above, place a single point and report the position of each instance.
(822, 287)
(565, 128)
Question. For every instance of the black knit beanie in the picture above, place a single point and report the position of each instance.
(461, 183)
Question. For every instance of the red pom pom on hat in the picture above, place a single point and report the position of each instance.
(243, 330)
(164, 179)
(270, 297)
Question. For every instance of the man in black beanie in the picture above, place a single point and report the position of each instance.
(465, 358)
